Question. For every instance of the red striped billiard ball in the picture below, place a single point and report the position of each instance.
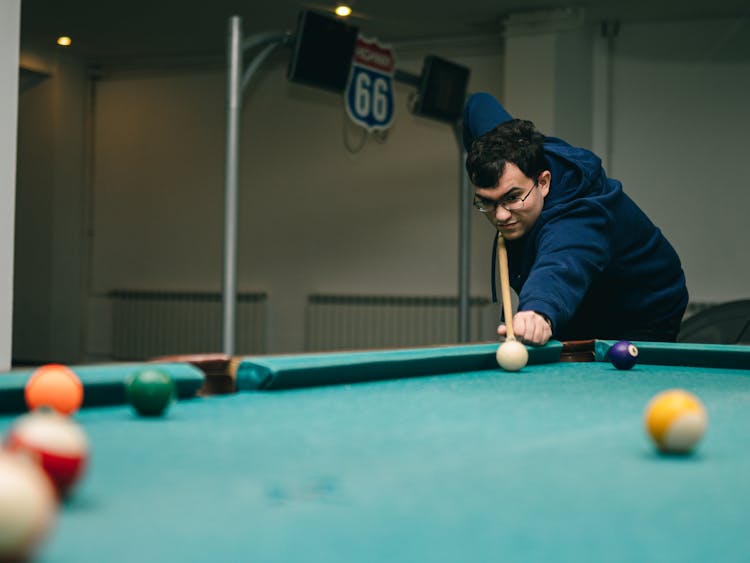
(55, 442)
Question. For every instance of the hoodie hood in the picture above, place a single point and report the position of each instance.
(482, 113)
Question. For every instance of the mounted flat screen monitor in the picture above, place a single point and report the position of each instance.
(323, 50)
(442, 89)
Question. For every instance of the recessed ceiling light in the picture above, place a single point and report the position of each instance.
(64, 41)
(343, 10)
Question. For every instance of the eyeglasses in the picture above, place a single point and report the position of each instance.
(510, 203)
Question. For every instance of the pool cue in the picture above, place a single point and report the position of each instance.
(502, 261)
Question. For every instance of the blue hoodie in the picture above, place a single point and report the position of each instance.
(593, 263)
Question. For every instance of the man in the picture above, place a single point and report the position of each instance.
(585, 261)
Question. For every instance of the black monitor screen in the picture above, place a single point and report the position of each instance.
(442, 89)
(323, 51)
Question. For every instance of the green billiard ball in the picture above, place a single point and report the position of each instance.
(150, 392)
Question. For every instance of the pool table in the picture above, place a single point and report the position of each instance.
(414, 455)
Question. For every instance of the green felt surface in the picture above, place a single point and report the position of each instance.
(549, 464)
(103, 384)
(304, 370)
(683, 354)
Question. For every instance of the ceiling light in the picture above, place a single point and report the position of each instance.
(64, 41)
(343, 10)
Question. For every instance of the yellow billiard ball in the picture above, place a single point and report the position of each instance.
(675, 420)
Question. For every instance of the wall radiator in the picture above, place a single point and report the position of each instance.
(147, 324)
(339, 322)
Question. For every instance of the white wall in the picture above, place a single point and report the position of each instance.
(549, 71)
(313, 216)
(667, 106)
(679, 143)
(529, 87)
(10, 17)
(51, 211)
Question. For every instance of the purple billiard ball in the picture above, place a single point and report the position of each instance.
(623, 355)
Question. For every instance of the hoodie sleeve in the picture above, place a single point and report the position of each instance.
(573, 248)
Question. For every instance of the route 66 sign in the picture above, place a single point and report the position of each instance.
(369, 92)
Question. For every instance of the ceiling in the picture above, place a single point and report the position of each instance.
(107, 32)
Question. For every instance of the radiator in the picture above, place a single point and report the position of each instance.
(340, 322)
(147, 324)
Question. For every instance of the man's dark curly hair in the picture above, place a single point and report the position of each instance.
(515, 141)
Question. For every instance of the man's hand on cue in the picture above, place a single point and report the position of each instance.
(529, 327)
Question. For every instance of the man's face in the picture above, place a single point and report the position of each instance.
(510, 191)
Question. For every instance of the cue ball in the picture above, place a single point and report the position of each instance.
(511, 355)
(54, 386)
(623, 355)
(55, 442)
(150, 392)
(675, 420)
(28, 507)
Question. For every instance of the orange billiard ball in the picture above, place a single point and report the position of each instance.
(54, 386)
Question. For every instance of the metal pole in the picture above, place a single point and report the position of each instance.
(464, 221)
(231, 179)
(464, 238)
(255, 65)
